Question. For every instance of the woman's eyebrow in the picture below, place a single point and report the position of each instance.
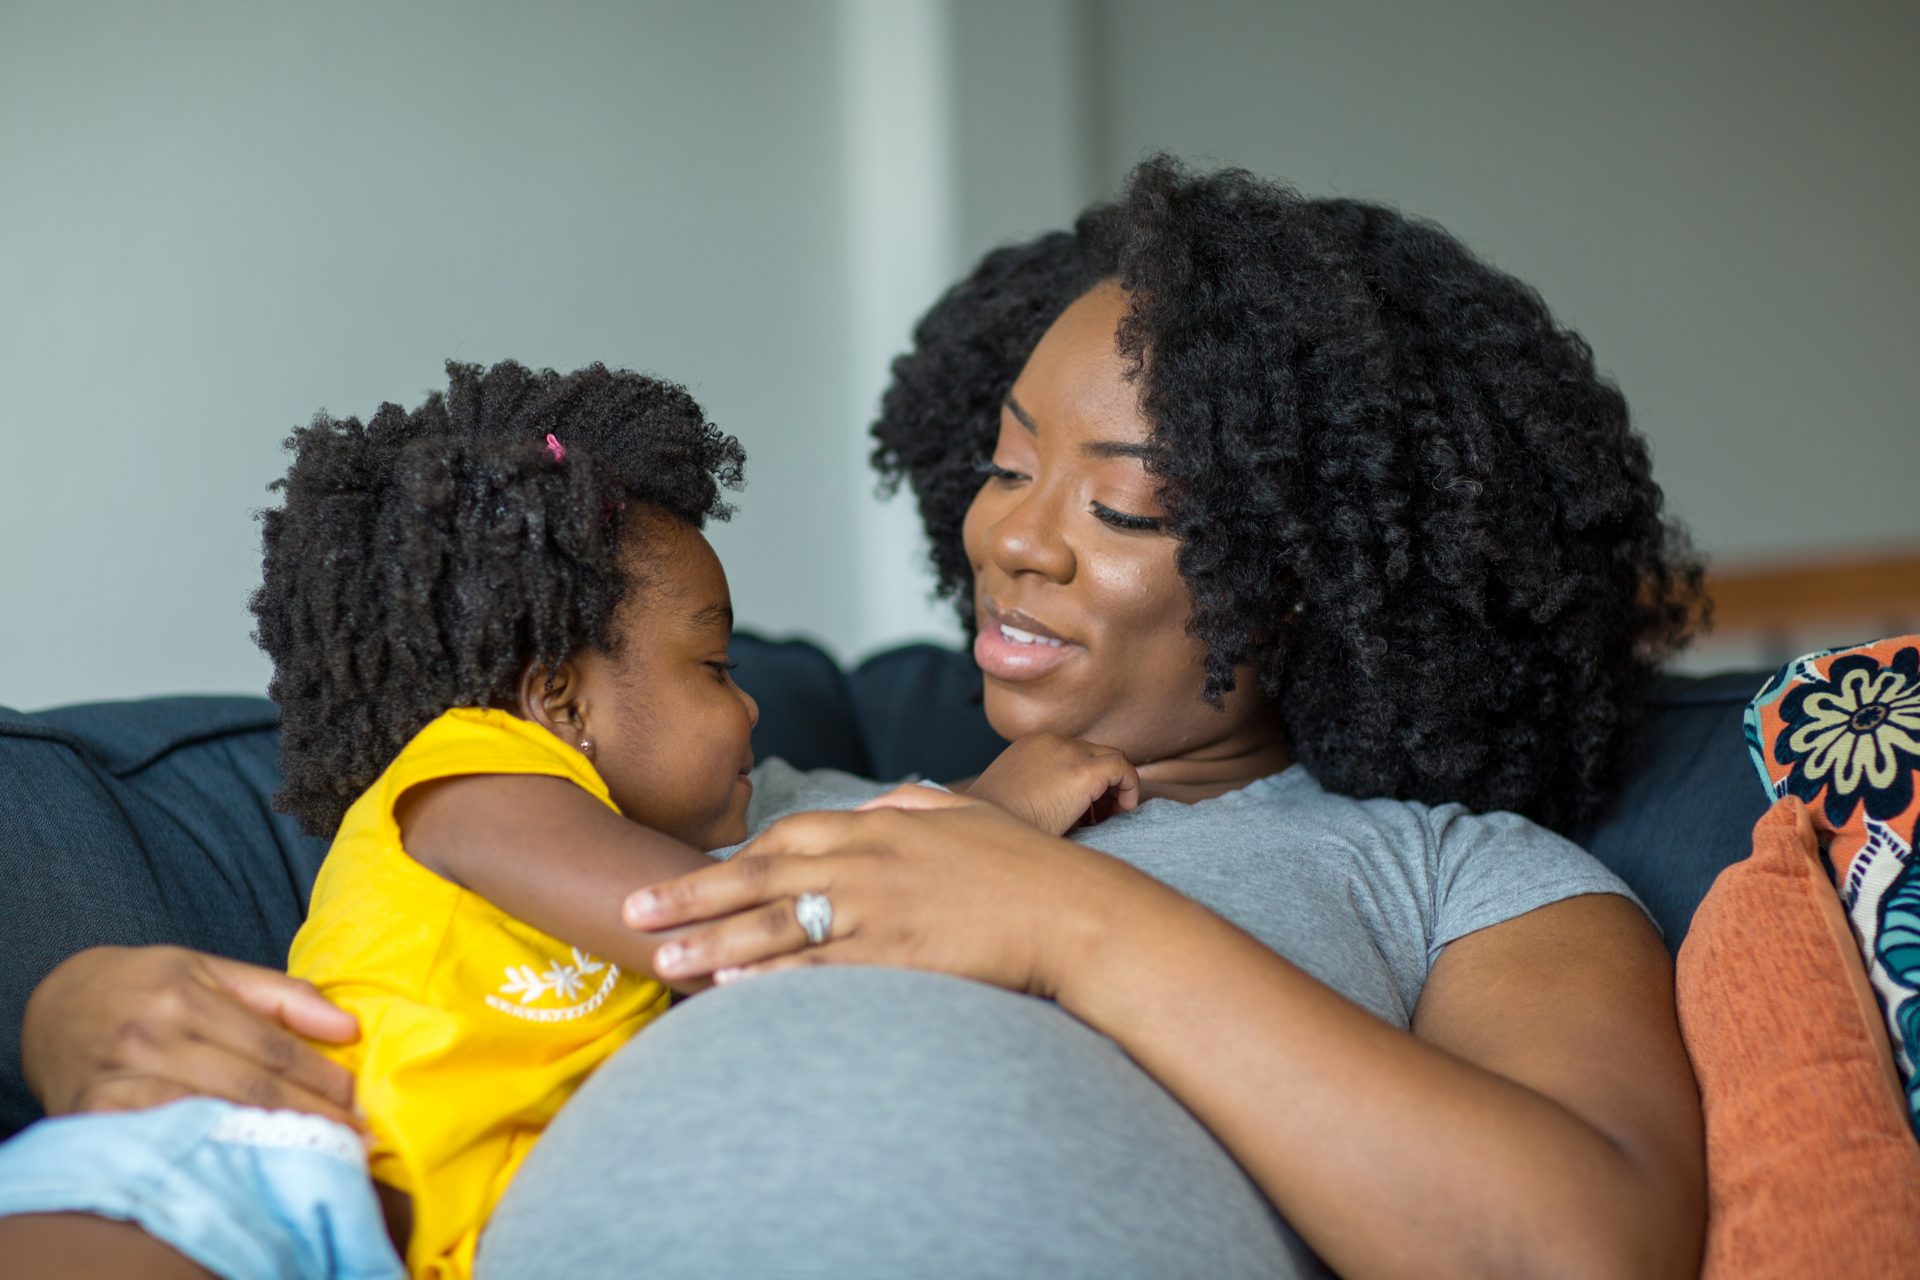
(1093, 448)
(1018, 411)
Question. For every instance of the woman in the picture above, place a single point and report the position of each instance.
(1324, 524)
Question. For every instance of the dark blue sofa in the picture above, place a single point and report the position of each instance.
(149, 821)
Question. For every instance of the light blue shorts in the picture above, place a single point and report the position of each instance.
(247, 1194)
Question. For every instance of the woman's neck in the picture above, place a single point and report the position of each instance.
(1214, 770)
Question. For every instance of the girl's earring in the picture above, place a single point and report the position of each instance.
(586, 747)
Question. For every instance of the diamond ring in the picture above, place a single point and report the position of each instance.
(815, 915)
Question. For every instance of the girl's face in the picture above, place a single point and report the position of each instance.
(1081, 610)
(670, 729)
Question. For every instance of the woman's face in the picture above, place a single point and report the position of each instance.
(1081, 611)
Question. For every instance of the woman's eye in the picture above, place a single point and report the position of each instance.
(993, 470)
(1121, 520)
(721, 668)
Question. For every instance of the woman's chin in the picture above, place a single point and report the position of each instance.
(1018, 711)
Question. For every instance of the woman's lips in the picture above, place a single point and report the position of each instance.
(1014, 657)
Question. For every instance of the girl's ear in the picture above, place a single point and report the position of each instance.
(550, 697)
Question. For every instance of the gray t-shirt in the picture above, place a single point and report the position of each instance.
(1362, 894)
(855, 1123)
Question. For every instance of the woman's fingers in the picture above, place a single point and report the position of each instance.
(749, 878)
(828, 953)
(292, 1002)
(1127, 784)
(750, 937)
(131, 1093)
(280, 1060)
(124, 1027)
(204, 1069)
(914, 795)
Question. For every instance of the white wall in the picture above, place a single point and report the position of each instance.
(964, 125)
(1720, 195)
(217, 217)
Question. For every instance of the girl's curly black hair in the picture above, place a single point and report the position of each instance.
(422, 560)
(1403, 496)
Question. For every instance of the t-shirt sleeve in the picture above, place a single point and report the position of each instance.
(470, 740)
(1491, 867)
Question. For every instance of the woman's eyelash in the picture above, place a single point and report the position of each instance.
(1121, 520)
(988, 467)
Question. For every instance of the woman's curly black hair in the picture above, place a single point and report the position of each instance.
(422, 560)
(1403, 496)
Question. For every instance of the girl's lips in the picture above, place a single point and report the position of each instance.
(1005, 659)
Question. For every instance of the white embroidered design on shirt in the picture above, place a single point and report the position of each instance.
(562, 980)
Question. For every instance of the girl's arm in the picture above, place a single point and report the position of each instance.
(545, 852)
(1540, 1119)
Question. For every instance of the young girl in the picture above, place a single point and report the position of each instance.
(495, 610)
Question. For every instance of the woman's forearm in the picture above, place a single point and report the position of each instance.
(1391, 1157)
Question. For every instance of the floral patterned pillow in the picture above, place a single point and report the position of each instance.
(1840, 729)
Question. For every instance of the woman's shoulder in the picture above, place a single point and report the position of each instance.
(1438, 829)
(1468, 868)
(1486, 867)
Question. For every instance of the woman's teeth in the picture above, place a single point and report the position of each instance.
(1027, 637)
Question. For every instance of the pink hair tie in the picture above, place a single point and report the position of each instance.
(558, 450)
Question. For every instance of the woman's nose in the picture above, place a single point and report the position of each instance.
(753, 708)
(1027, 539)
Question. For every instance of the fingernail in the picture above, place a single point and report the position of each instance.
(670, 956)
(721, 977)
(641, 903)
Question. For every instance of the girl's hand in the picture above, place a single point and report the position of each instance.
(917, 878)
(1057, 783)
(121, 1028)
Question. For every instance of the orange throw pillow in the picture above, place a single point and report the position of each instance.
(1811, 1168)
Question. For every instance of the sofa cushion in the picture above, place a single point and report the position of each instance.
(1810, 1168)
(1840, 729)
(140, 822)
(920, 712)
(1687, 805)
(807, 713)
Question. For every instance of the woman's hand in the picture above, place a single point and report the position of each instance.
(120, 1028)
(1057, 783)
(918, 879)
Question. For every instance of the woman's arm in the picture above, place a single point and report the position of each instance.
(1540, 1120)
(117, 1028)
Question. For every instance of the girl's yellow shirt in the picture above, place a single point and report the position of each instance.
(474, 1027)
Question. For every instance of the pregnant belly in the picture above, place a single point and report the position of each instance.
(879, 1123)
